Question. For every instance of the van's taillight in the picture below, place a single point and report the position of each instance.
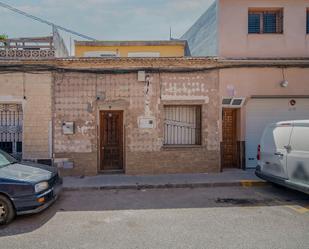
(258, 157)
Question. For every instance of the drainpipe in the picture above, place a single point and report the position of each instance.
(52, 89)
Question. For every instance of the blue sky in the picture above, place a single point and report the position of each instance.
(105, 19)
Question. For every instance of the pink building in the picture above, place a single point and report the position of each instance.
(273, 34)
(252, 29)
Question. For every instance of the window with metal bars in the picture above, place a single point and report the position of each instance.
(265, 21)
(11, 129)
(182, 125)
(307, 26)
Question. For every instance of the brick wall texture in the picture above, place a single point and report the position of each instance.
(75, 99)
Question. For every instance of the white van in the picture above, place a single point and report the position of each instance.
(283, 154)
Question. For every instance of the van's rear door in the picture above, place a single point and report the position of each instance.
(274, 144)
(298, 156)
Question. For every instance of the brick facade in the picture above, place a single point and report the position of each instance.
(76, 100)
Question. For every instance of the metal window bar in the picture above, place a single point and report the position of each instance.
(11, 128)
(307, 27)
(254, 23)
(182, 125)
(265, 22)
(270, 22)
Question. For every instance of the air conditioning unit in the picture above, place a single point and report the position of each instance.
(232, 102)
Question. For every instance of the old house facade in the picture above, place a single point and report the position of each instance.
(138, 116)
(143, 115)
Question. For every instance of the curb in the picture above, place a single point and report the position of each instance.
(243, 183)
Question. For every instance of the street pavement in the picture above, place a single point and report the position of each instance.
(222, 217)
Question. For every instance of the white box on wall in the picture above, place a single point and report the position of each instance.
(141, 76)
(68, 128)
(146, 122)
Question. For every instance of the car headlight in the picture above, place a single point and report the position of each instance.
(41, 186)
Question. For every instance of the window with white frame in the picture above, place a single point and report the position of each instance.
(182, 125)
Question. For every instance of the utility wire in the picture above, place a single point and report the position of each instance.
(37, 68)
(6, 6)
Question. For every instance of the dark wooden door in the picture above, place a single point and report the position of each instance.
(229, 143)
(111, 140)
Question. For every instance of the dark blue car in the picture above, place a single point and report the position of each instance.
(25, 188)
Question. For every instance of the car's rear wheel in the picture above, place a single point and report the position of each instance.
(7, 212)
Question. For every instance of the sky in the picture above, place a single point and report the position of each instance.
(105, 19)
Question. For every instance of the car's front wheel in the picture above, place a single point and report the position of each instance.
(7, 212)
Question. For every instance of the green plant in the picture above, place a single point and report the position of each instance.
(3, 37)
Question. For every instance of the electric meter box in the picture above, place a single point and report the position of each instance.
(68, 128)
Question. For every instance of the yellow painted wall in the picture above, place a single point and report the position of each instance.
(164, 50)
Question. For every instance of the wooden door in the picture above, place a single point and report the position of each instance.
(229, 139)
(111, 140)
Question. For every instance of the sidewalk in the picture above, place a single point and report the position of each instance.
(228, 178)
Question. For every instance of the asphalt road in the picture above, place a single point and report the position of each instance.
(261, 217)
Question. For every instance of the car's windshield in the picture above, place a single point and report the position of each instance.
(6, 159)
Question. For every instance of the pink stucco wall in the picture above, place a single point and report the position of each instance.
(234, 40)
(248, 82)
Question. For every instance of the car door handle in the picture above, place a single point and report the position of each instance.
(279, 154)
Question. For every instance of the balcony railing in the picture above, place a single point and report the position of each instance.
(28, 48)
(27, 54)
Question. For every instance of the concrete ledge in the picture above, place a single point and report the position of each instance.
(245, 183)
(228, 178)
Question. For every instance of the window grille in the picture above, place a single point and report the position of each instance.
(270, 22)
(182, 125)
(265, 21)
(307, 21)
(254, 23)
(11, 123)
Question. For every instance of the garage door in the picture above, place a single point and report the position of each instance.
(260, 112)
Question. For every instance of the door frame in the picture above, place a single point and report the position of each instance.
(99, 142)
(236, 133)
